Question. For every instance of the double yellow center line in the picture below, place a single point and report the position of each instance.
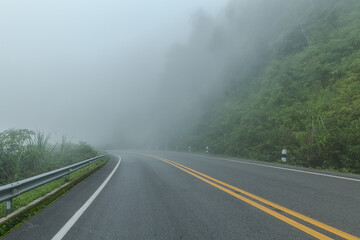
(234, 191)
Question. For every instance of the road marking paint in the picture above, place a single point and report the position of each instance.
(267, 210)
(291, 212)
(81, 210)
(261, 207)
(288, 169)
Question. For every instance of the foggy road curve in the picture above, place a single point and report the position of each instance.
(170, 195)
(276, 81)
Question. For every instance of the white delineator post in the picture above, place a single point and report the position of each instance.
(8, 206)
(283, 155)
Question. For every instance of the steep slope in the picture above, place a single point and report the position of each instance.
(300, 91)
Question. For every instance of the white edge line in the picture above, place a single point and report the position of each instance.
(81, 210)
(289, 169)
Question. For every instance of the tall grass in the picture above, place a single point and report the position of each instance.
(25, 153)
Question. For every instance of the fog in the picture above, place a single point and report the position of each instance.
(86, 69)
(122, 73)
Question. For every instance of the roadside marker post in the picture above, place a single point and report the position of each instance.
(283, 155)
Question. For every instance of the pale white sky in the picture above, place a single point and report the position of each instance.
(64, 62)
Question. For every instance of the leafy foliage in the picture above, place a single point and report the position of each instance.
(305, 97)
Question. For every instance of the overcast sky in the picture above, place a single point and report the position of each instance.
(64, 63)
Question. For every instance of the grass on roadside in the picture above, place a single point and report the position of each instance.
(28, 197)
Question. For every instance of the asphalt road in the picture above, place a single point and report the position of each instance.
(153, 197)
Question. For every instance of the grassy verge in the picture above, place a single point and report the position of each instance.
(26, 198)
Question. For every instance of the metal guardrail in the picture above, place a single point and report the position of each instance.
(11, 190)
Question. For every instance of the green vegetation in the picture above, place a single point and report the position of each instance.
(28, 197)
(25, 153)
(304, 96)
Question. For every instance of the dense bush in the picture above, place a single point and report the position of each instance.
(305, 98)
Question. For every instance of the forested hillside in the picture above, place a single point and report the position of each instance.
(292, 81)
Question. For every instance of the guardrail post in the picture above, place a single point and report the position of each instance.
(67, 177)
(8, 206)
(11, 190)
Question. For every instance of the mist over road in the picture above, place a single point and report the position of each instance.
(170, 195)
